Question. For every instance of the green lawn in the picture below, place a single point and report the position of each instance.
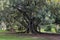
(2, 31)
(14, 37)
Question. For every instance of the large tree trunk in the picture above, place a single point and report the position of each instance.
(32, 27)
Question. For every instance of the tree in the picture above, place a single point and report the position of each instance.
(28, 8)
(30, 15)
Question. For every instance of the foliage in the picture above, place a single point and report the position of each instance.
(21, 12)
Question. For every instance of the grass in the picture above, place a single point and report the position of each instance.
(11, 37)
(16, 37)
(2, 31)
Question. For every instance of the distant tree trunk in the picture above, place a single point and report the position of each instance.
(12, 30)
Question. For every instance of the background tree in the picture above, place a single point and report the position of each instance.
(30, 15)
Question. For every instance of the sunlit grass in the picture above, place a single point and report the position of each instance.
(52, 30)
(3, 31)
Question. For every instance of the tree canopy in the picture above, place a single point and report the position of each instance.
(30, 14)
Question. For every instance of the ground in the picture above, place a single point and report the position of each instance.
(13, 36)
(16, 37)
